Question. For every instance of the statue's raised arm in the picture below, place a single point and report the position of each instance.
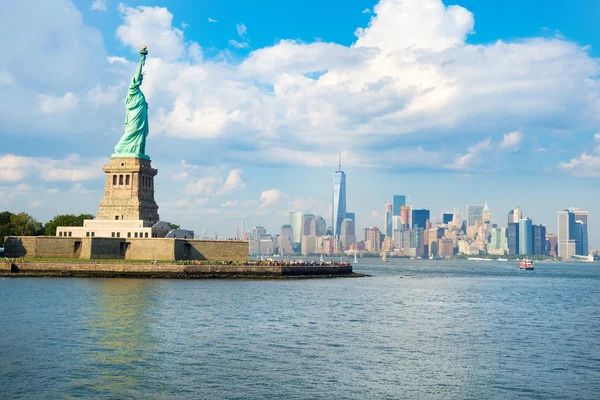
(133, 142)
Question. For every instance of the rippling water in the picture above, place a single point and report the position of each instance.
(415, 329)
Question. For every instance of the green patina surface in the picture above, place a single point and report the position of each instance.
(133, 141)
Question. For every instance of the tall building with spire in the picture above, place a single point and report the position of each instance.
(339, 199)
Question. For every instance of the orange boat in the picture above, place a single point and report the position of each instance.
(526, 264)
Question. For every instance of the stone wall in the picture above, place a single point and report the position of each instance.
(235, 250)
(168, 270)
(150, 249)
(125, 248)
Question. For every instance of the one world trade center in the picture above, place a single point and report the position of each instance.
(339, 199)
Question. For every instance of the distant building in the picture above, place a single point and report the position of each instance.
(513, 238)
(569, 235)
(309, 245)
(525, 236)
(296, 224)
(398, 200)
(539, 240)
(498, 241)
(286, 240)
(447, 218)
(446, 248)
(339, 200)
(239, 230)
(419, 218)
(348, 233)
(514, 216)
(351, 216)
(373, 240)
(405, 218)
(258, 232)
(387, 223)
(318, 227)
(474, 213)
(551, 245)
(307, 220)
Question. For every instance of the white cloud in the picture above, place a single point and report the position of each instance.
(229, 204)
(214, 21)
(215, 185)
(35, 204)
(269, 197)
(597, 137)
(474, 156)
(98, 5)
(100, 97)
(185, 25)
(15, 168)
(6, 79)
(78, 189)
(52, 104)
(241, 30)
(366, 11)
(233, 182)
(151, 26)
(117, 60)
(238, 45)
(586, 165)
(511, 141)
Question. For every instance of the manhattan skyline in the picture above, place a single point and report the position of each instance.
(268, 104)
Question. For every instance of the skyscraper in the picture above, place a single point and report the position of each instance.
(318, 226)
(285, 240)
(569, 239)
(514, 216)
(474, 213)
(398, 200)
(525, 236)
(388, 219)
(419, 218)
(513, 238)
(447, 217)
(539, 240)
(296, 224)
(405, 218)
(348, 235)
(339, 199)
(307, 219)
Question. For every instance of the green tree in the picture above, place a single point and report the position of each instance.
(23, 224)
(175, 226)
(4, 225)
(65, 220)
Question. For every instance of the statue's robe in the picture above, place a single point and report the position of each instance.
(133, 142)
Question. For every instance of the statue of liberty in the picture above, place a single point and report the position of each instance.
(133, 141)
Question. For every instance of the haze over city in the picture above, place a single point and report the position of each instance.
(485, 101)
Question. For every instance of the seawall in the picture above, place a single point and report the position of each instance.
(172, 271)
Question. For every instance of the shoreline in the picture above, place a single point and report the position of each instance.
(171, 271)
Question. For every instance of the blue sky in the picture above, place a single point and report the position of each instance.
(452, 103)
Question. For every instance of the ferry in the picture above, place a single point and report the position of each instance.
(526, 264)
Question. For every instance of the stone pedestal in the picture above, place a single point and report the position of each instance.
(129, 191)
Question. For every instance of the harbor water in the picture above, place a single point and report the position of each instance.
(414, 329)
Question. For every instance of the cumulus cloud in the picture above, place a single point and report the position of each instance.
(100, 96)
(511, 141)
(214, 21)
(15, 168)
(269, 197)
(151, 26)
(474, 156)
(6, 79)
(216, 185)
(98, 5)
(52, 104)
(366, 11)
(586, 165)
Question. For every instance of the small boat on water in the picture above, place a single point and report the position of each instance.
(526, 264)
